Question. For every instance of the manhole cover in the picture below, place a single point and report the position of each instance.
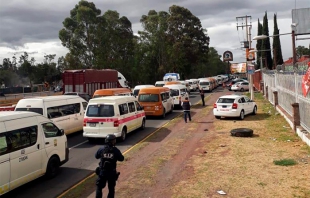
(242, 132)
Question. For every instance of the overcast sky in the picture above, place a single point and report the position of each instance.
(33, 25)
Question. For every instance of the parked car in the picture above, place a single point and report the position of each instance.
(234, 106)
(234, 82)
(240, 86)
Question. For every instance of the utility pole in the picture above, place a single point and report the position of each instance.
(248, 28)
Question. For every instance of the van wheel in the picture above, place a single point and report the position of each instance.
(164, 113)
(143, 124)
(52, 167)
(172, 107)
(123, 135)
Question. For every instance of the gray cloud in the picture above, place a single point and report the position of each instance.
(40, 21)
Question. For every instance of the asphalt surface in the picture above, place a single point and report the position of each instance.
(82, 162)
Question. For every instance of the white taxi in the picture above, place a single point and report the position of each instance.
(234, 106)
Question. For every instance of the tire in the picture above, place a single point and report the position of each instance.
(242, 90)
(242, 132)
(254, 110)
(164, 113)
(142, 127)
(52, 167)
(218, 117)
(123, 135)
(172, 107)
(241, 115)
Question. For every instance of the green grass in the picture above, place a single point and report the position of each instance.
(285, 162)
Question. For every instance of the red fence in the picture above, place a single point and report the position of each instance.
(257, 78)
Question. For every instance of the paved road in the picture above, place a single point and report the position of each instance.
(82, 161)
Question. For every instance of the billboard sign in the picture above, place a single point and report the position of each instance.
(250, 56)
(251, 69)
(228, 56)
(238, 68)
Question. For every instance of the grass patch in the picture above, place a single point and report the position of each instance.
(82, 189)
(285, 162)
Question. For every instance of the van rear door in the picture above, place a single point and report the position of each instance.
(4, 161)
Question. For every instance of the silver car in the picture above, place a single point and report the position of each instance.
(240, 86)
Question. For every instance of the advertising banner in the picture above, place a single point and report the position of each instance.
(306, 83)
(238, 68)
(250, 56)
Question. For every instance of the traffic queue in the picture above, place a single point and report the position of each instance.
(40, 125)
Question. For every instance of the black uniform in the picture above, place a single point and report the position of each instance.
(202, 94)
(108, 155)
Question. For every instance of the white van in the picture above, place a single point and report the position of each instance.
(137, 88)
(66, 111)
(30, 146)
(192, 84)
(116, 115)
(178, 92)
(205, 84)
(160, 83)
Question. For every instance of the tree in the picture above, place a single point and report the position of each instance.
(259, 44)
(301, 50)
(188, 39)
(26, 69)
(79, 32)
(266, 44)
(277, 52)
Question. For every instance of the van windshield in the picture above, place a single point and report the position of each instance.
(100, 110)
(36, 110)
(174, 92)
(148, 98)
(204, 83)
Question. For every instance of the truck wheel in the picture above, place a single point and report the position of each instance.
(52, 167)
(242, 132)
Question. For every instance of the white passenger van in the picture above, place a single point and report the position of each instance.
(205, 84)
(178, 92)
(66, 111)
(116, 115)
(30, 146)
(137, 88)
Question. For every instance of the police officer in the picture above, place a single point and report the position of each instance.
(108, 155)
(186, 105)
(202, 94)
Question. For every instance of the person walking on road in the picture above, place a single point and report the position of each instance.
(186, 105)
(108, 155)
(202, 94)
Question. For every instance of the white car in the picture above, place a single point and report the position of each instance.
(234, 106)
(240, 86)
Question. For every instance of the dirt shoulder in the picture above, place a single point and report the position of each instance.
(199, 158)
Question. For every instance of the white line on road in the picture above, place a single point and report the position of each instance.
(78, 145)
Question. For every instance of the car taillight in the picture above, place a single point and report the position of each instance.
(116, 123)
(84, 123)
(235, 106)
(214, 105)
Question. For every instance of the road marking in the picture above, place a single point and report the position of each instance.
(124, 153)
(78, 145)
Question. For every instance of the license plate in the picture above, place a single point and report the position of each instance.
(224, 109)
(92, 124)
(148, 107)
(224, 106)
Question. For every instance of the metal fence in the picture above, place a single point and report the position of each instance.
(289, 88)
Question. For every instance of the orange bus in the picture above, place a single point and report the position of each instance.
(112, 92)
(156, 101)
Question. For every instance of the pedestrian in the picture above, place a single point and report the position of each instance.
(202, 94)
(108, 155)
(186, 105)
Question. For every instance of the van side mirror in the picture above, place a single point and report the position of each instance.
(61, 132)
